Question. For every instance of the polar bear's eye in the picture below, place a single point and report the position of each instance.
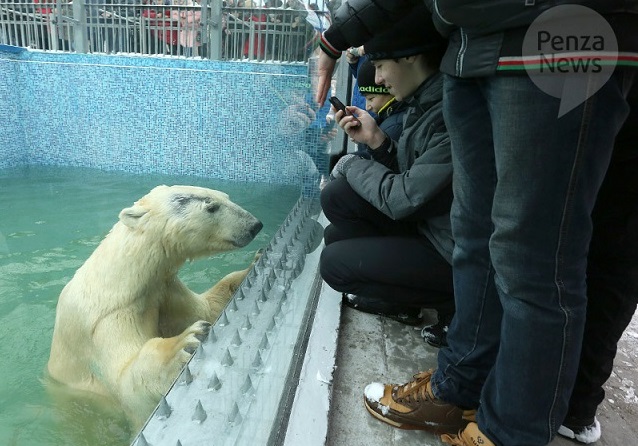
(181, 199)
(213, 207)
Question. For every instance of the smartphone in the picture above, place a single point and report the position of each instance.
(338, 105)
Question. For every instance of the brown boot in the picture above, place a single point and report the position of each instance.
(413, 406)
(470, 436)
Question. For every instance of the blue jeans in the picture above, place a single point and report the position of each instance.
(525, 184)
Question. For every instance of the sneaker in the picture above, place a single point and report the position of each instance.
(405, 315)
(413, 406)
(436, 334)
(468, 436)
(583, 431)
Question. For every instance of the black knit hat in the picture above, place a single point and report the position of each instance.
(413, 34)
(365, 79)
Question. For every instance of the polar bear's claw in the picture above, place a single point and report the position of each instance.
(201, 336)
(194, 335)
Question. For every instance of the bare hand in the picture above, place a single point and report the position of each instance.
(360, 126)
(353, 54)
(325, 69)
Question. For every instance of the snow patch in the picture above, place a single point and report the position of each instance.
(321, 378)
(374, 392)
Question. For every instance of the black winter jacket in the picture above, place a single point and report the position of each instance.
(485, 37)
(419, 187)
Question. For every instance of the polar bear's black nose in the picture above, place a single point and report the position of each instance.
(248, 233)
(256, 228)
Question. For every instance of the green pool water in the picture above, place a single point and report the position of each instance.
(51, 220)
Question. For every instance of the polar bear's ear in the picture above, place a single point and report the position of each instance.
(131, 216)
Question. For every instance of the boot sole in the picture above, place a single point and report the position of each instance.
(406, 426)
(396, 424)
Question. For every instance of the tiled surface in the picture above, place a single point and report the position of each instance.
(224, 120)
(371, 348)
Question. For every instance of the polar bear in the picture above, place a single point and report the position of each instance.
(125, 324)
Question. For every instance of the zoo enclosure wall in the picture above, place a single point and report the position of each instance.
(216, 119)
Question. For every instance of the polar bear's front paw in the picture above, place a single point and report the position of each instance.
(194, 335)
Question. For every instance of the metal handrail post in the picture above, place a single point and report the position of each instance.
(80, 37)
(215, 43)
(53, 31)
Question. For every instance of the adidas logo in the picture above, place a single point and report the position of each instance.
(373, 89)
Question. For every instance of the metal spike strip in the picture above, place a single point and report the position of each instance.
(214, 383)
(223, 320)
(232, 306)
(212, 337)
(199, 415)
(247, 386)
(186, 377)
(163, 409)
(236, 342)
(234, 416)
(227, 360)
(141, 441)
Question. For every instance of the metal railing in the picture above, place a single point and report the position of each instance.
(206, 29)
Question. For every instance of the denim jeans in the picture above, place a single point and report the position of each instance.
(525, 183)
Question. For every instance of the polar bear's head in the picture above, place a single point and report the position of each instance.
(191, 221)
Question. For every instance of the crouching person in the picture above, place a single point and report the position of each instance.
(389, 243)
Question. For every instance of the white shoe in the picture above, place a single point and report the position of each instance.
(582, 434)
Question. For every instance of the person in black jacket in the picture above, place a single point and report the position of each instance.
(527, 171)
(388, 247)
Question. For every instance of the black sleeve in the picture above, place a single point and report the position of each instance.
(356, 21)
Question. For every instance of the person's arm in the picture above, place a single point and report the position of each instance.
(356, 21)
(401, 195)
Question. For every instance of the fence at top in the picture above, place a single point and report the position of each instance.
(205, 29)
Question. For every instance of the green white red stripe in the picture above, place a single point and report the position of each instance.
(535, 62)
(328, 48)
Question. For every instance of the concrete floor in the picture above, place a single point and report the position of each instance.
(371, 348)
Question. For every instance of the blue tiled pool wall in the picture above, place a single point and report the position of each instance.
(11, 132)
(224, 120)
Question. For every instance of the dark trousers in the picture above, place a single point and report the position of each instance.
(612, 271)
(371, 255)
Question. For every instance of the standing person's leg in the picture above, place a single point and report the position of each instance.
(548, 171)
(467, 116)
(612, 281)
(478, 313)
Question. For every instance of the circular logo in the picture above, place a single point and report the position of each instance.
(570, 52)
